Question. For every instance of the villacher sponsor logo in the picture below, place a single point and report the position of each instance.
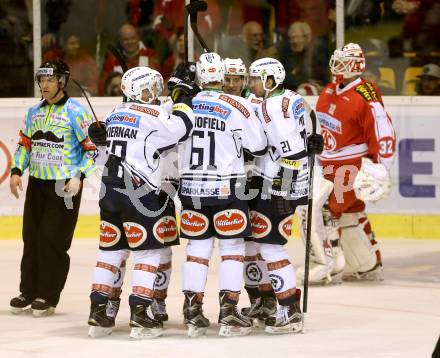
(230, 222)
(261, 225)
(193, 223)
(165, 230)
(135, 234)
(109, 234)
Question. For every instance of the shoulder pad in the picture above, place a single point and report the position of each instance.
(367, 92)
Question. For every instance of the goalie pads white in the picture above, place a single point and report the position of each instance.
(359, 251)
(373, 181)
(322, 260)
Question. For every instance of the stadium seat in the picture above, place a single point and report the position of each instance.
(388, 77)
(410, 80)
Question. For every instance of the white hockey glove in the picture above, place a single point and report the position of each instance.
(72, 187)
(373, 181)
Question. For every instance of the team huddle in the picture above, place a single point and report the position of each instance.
(232, 145)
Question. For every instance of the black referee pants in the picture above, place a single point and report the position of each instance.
(48, 226)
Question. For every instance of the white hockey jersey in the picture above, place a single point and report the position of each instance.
(283, 117)
(137, 134)
(212, 161)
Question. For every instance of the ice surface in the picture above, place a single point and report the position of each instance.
(397, 318)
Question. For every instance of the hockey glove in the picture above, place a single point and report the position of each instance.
(185, 73)
(315, 143)
(183, 92)
(97, 134)
(372, 182)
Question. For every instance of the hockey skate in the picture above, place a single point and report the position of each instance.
(232, 322)
(142, 323)
(99, 321)
(112, 308)
(260, 309)
(375, 274)
(159, 310)
(194, 319)
(42, 308)
(20, 304)
(288, 319)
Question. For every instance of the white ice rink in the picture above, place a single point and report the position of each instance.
(397, 318)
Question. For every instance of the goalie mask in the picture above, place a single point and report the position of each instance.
(265, 68)
(55, 68)
(210, 68)
(137, 79)
(347, 62)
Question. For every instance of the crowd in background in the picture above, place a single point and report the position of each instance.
(399, 38)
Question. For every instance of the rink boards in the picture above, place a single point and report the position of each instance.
(412, 211)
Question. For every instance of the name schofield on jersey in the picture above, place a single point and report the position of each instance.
(210, 123)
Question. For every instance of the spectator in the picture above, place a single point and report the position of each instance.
(112, 85)
(249, 46)
(304, 59)
(15, 50)
(429, 83)
(82, 66)
(132, 50)
(372, 74)
(177, 55)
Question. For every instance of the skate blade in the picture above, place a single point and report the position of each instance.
(231, 331)
(43, 313)
(194, 331)
(96, 331)
(258, 323)
(145, 333)
(290, 328)
(17, 311)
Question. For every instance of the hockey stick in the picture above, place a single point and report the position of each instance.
(309, 226)
(115, 51)
(87, 99)
(192, 9)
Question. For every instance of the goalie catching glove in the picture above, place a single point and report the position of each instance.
(373, 181)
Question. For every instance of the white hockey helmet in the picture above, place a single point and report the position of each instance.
(347, 62)
(210, 68)
(266, 67)
(235, 67)
(136, 79)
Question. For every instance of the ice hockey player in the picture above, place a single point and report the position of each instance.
(212, 176)
(136, 133)
(256, 278)
(281, 178)
(359, 148)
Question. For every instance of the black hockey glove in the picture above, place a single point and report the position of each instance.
(97, 134)
(185, 73)
(280, 194)
(183, 92)
(315, 143)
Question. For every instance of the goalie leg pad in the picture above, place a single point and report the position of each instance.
(358, 245)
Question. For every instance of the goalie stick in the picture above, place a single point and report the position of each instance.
(309, 226)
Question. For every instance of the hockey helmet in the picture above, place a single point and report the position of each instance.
(268, 67)
(136, 79)
(235, 67)
(347, 62)
(210, 68)
(56, 68)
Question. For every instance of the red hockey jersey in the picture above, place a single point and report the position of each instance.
(354, 124)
